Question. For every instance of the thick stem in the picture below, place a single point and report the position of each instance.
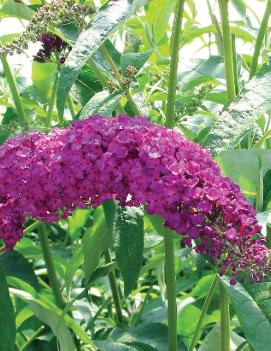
(203, 313)
(114, 289)
(171, 292)
(14, 92)
(224, 319)
(174, 62)
(170, 123)
(228, 53)
(259, 40)
(52, 101)
(54, 284)
(235, 66)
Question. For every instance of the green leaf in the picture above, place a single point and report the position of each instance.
(77, 221)
(158, 15)
(72, 266)
(243, 167)
(128, 241)
(255, 324)
(240, 7)
(212, 341)
(59, 317)
(57, 324)
(95, 241)
(12, 8)
(42, 76)
(153, 334)
(113, 346)
(16, 265)
(85, 86)
(102, 103)
(203, 286)
(261, 294)
(107, 19)
(7, 317)
(195, 32)
(135, 59)
(241, 115)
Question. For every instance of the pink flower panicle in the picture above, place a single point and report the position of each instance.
(134, 162)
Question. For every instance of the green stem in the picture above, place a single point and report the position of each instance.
(235, 67)
(71, 107)
(97, 72)
(54, 284)
(174, 62)
(203, 313)
(14, 92)
(170, 123)
(259, 197)
(32, 338)
(114, 289)
(259, 40)
(171, 292)
(32, 227)
(52, 102)
(218, 34)
(119, 79)
(224, 319)
(103, 81)
(136, 316)
(228, 53)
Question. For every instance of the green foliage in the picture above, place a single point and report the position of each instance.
(255, 324)
(128, 241)
(110, 261)
(235, 122)
(104, 23)
(7, 317)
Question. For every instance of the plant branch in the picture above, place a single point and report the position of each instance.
(52, 102)
(203, 313)
(218, 34)
(174, 62)
(259, 40)
(32, 338)
(235, 66)
(71, 107)
(103, 81)
(114, 289)
(171, 292)
(14, 92)
(54, 284)
(119, 79)
(224, 319)
(228, 53)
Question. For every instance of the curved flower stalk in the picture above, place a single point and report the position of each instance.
(134, 162)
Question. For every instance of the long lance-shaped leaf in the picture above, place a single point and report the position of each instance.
(251, 314)
(241, 115)
(7, 317)
(128, 241)
(107, 19)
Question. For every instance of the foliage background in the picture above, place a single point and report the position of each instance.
(89, 320)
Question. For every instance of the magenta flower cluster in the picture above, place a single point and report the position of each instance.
(135, 162)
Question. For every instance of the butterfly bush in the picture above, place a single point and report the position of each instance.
(47, 176)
